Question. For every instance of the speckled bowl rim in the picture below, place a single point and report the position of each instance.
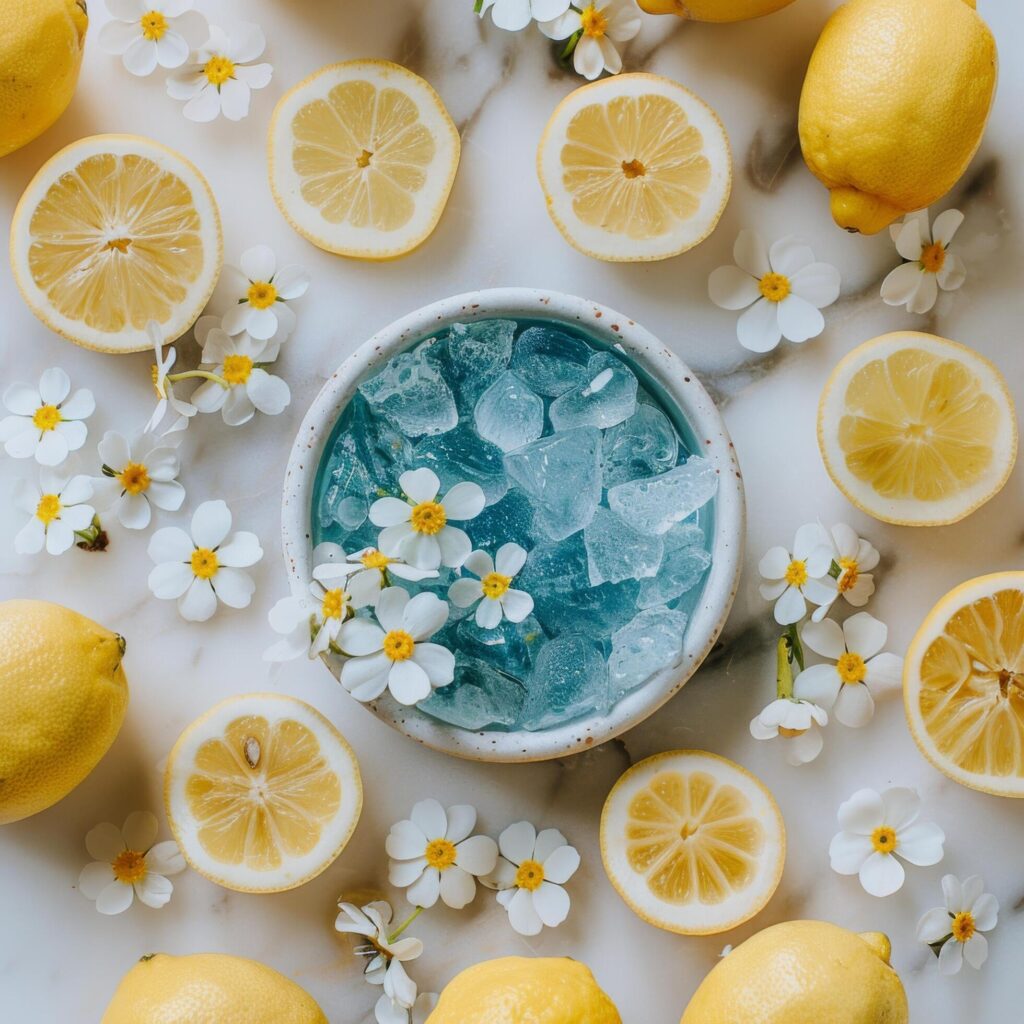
(679, 384)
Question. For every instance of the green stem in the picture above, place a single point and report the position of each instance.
(783, 670)
(796, 648)
(835, 570)
(204, 374)
(93, 537)
(570, 45)
(405, 924)
(478, 6)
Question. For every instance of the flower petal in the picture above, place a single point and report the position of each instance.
(458, 887)
(732, 288)
(951, 957)
(408, 683)
(366, 678)
(848, 852)
(464, 501)
(211, 522)
(788, 256)
(54, 386)
(774, 563)
(516, 604)
(258, 263)
(80, 406)
(361, 637)
(799, 320)
(165, 858)
(461, 821)
(406, 840)
(425, 890)
(169, 580)
(924, 298)
(246, 42)
(818, 283)
(271, 395)
(234, 587)
(140, 831)
(403, 873)
(824, 638)
(488, 613)
(465, 592)
(170, 544)
(418, 549)
(790, 608)
(291, 282)
(429, 817)
(902, 806)
(437, 661)
(478, 855)
(424, 615)
(116, 36)
(199, 602)
(934, 925)
(140, 58)
(946, 226)
(392, 538)
(479, 563)
(94, 878)
(901, 284)
(420, 484)
(862, 813)
(517, 842)
(758, 328)
(881, 874)
(241, 550)
(154, 890)
(865, 635)
(391, 607)
(509, 559)
(522, 914)
(804, 748)
(115, 899)
(204, 106)
(921, 843)
(911, 236)
(751, 254)
(22, 399)
(976, 950)
(854, 706)
(561, 865)
(953, 893)
(104, 842)
(986, 912)
(953, 273)
(52, 449)
(551, 903)
(453, 545)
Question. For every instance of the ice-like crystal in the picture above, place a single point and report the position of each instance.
(473, 356)
(509, 414)
(562, 474)
(606, 398)
(569, 679)
(653, 505)
(550, 361)
(509, 520)
(345, 500)
(511, 647)
(383, 449)
(461, 454)
(681, 570)
(641, 446)
(645, 645)
(616, 552)
(478, 697)
(412, 393)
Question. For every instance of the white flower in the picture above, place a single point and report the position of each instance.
(221, 75)
(129, 862)
(433, 854)
(513, 15)
(384, 955)
(957, 926)
(797, 722)
(793, 579)
(310, 624)
(57, 509)
(135, 476)
(493, 588)
(387, 1013)
(47, 421)
(932, 266)
(147, 33)
(369, 564)
(858, 674)
(601, 24)
(393, 655)
(200, 569)
(530, 874)
(855, 557)
(255, 298)
(164, 388)
(417, 530)
(249, 387)
(876, 829)
(784, 287)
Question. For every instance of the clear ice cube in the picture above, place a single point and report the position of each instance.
(383, 449)
(645, 645)
(460, 454)
(412, 393)
(570, 679)
(606, 398)
(478, 697)
(511, 647)
(617, 552)
(681, 570)
(509, 414)
(509, 520)
(654, 504)
(473, 356)
(643, 445)
(550, 361)
(344, 502)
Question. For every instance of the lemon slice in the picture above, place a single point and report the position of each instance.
(963, 684)
(634, 168)
(917, 430)
(112, 232)
(362, 157)
(262, 793)
(693, 843)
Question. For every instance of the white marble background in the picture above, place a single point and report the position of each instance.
(60, 960)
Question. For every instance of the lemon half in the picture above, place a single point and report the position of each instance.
(693, 843)
(262, 793)
(362, 157)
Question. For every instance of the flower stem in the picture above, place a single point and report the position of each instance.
(570, 45)
(405, 924)
(783, 671)
(796, 648)
(204, 374)
(478, 6)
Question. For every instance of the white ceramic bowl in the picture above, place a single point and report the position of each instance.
(679, 385)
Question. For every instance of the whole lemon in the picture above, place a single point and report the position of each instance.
(515, 989)
(209, 987)
(802, 972)
(894, 105)
(63, 697)
(714, 10)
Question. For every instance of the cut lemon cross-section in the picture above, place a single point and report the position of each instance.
(693, 843)
(112, 232)
(634, 167)
(262, 793)
(362, 157)
(917, 430)
(963, 684)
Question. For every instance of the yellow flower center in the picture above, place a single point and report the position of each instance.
(237, 369)
(218, 70)
(440, 853)
(530, 875)
(399, 645)
(494, 585)
(46, 417)
(428, 517)
(204, 563)
(849, 575)
(851, 668)
(774, 287)
(790, 733)
(134, 478)
(262, 294)
(154, 372)
(154, 25)
(963, 926)
(883, 839)
(796, 573)
(334, 603)
(933, 257)
(129, 867)
(48, 508)
(374, 559)
(593, 22)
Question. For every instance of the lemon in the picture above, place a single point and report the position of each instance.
(262, 793)
(362, 156)
(802, 972)
(894, 105)
(207, 987)
(917, 430)
(112, 232)
(63, 697)
(714, 10)
(41, 43)
(517, 990)
(693, 843)
(963, 684)
(633, 168)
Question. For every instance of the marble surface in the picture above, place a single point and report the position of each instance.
(60, 960)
